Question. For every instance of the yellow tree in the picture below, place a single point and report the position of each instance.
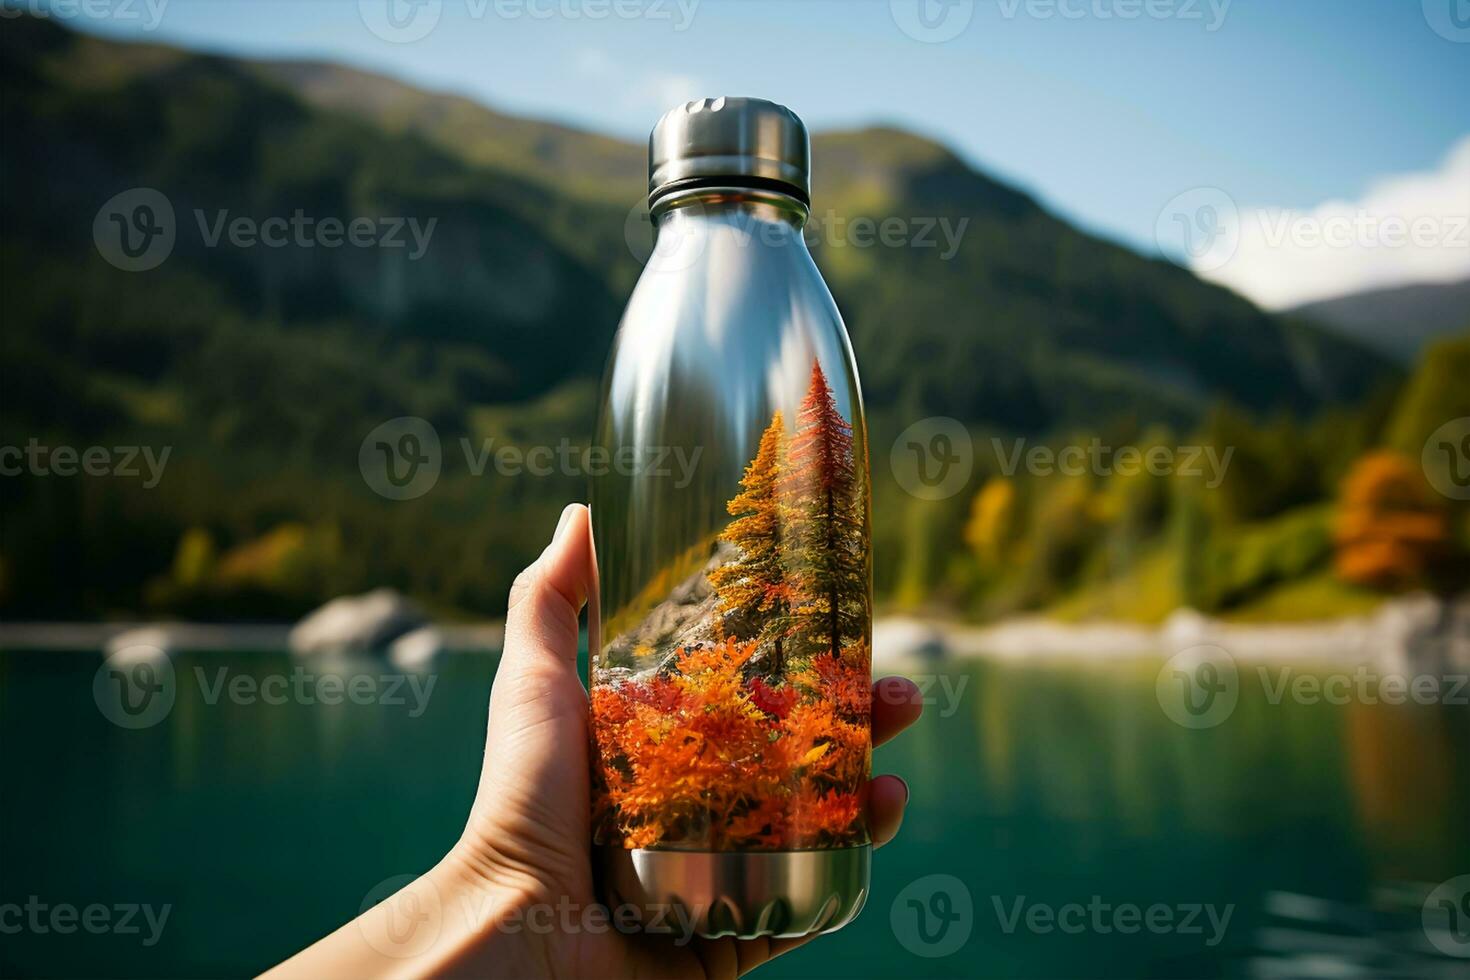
(992, 523)
(754, 597)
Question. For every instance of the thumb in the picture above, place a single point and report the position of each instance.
(541, 620)
(532, 809)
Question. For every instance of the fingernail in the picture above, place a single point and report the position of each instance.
(906, 794)
(566, 520)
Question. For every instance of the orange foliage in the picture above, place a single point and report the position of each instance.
(704, 756)
(1388, 527)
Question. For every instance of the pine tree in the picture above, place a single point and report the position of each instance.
(753, 594)
(826, 557)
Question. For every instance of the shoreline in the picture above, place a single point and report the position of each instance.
(1409, 630)
(1402, 631)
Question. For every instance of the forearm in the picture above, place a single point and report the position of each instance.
(450, 921)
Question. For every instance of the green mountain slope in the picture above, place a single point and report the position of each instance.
(1039, 324)
(264, 367)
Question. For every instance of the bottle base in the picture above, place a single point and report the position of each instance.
(738, 893)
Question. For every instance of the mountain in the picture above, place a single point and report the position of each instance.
(263, 364)
(1397, 321)
(1039, 324)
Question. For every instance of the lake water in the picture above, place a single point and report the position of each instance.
(1061, 824)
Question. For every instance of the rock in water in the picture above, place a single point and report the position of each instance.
(368, 622)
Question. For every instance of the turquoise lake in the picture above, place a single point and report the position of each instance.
(1061, 824)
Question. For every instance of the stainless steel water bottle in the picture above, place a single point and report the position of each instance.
(730, 643)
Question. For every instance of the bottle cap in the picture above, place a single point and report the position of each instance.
(729, 141)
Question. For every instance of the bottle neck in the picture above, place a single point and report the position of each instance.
(730, 205)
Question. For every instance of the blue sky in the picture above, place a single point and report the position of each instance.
(1106, 109)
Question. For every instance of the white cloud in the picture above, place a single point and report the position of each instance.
(664, 91)
(649, 91)
(1406, 228)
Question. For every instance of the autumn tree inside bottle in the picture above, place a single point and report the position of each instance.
(730, 666)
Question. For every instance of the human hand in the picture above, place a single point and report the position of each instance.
(515, 896)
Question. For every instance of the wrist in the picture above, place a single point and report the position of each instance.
(484, 910)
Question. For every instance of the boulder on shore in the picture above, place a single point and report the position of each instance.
(360, 623)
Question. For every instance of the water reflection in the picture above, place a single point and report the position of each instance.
(1325, 828)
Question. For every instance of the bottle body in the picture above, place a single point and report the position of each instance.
(730, 653)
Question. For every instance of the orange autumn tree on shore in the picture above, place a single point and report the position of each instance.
(1389, 528)
(761, 740)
